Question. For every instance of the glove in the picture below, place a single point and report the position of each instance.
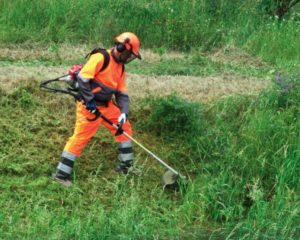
(91, 106)
(122, 118)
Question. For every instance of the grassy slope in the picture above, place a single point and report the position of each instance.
(244, 171)
(244, 158)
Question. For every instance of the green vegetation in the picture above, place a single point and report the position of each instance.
(195, 63)
(240, 153)
(178, 25)
(181, 118)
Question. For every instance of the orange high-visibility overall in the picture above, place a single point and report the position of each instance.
(85, 130)
(106, 83)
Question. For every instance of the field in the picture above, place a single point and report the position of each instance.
(224, 113)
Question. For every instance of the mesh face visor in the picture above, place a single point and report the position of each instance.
(138, 55)
(131, 58)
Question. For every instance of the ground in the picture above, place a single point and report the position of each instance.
(23, 63)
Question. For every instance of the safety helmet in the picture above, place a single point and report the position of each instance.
(131, 42)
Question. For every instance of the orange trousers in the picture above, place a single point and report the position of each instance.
(85, 130)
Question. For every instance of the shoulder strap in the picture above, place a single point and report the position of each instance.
(104, 52)
(105, 55)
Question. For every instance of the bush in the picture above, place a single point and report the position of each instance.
(172, 116)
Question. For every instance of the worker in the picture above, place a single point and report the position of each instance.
(101, 78)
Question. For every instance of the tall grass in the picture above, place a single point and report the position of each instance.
(243, 161)
(277, 43)
(245, 157)
(179, 25)
(241, 154)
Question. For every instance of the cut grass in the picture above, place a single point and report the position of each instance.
(193, 64)
(243, 165)
(196, 77)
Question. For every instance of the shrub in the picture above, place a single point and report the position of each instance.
(172, 116)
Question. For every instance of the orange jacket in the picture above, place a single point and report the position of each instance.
(103, 85)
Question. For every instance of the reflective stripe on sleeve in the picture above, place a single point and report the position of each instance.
(83, 79)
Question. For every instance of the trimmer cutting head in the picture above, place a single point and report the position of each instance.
(170, 180)
(173, 181)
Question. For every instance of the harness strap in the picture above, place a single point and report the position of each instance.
(105, 55)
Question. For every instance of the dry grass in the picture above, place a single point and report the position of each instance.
(49, 52)
(193, 88)
(11, 76)
(203, 89)
(233, 55)
(151, 56)
(66, 52)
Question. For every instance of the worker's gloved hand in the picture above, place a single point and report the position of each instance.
(91, 106)
(122, 118)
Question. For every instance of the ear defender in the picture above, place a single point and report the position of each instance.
(121, 47)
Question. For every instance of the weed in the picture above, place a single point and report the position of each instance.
(172, 117)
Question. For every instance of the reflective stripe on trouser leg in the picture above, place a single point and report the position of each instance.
(66, 164)
(125, 151)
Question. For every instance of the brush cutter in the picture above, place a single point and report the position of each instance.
(71, 90)
(171, 176)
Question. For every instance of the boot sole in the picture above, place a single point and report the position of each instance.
(63, 182)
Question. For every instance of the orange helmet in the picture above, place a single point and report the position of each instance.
(130, 41)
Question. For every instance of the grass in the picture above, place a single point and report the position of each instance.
(153, 64)
(39, 208)
(240, 152)
(245, 147)
(210, 76)
(243, 163)
(185, 26)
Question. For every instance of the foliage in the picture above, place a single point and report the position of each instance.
(241, 154)
(246, 148)
(278, 8)
(185, 25)
(172, 117)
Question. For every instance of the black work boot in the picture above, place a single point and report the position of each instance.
(64, 169)
(62, 178)
(124, 166)
(125, 157)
